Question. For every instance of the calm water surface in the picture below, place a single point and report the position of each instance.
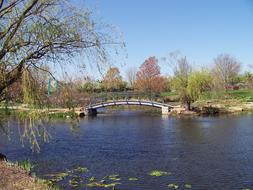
(206, 152)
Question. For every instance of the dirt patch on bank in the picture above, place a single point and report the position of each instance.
(14, 178)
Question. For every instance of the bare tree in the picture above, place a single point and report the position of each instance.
(131, 75)
(225, 70)
(35, 32)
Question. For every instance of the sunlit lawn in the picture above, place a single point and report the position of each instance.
(245, 95)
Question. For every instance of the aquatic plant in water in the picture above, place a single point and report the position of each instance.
(81, 169)
(99, 184)
(77, 178)
(106, 182)
(73, 182)
(114, 177)
(92, 179)
(187, 186)
(158, 173)
(173, 186)
(133, 179)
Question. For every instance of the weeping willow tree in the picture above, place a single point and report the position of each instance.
(38, 32)
(35, 33)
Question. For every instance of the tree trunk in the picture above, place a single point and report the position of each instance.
(11, 78)
(188, 106)
(8, 83)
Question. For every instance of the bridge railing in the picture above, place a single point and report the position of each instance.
(130, 95)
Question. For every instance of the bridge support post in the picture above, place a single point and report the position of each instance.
(91, 112)
(165, 110)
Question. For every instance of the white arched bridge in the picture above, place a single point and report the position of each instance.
(92, 108)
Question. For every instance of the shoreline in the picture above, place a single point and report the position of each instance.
(213, 109)
(199, 108)
(14, 177)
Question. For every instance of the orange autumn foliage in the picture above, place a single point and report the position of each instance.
(149, 79)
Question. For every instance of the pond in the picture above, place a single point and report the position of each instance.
(194, 153)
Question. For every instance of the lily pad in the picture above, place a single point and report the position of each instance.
(114, 177)
(81, 170)
(187, 186)
(133, 179)
(97, 184)
(73, 183)
(58, 177)
(112, 184)
(158, 173)
(173, 186)
(92, 179)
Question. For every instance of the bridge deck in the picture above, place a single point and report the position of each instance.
(129, 102)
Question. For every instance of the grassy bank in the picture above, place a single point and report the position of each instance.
(15, 177)
(50, 114)
(218, 102)
(230, 98)
(243, 95)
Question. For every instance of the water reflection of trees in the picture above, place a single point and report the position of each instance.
(32, 128)
(4, 125)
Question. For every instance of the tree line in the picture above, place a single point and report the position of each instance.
(188, 81)
(37, 36)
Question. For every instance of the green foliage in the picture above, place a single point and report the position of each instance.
(187, 186)
(133, 179)
(81, 178)
(30, 93)
(114, 177)
(182, 71)
(34, 127)
(25, 165)
(158, 173)
(244, 95)
(81, 169)
(173, 186)
(192, 85)
(101, 184)
(199, 82)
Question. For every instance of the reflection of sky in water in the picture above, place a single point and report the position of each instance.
(206, 152)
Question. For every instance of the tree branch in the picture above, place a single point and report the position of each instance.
(15, 29)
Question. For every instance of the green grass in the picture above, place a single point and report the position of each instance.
(25, 165)
(245, 95)
(170, 96)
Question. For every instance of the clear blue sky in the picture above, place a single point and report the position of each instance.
(200, 29)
